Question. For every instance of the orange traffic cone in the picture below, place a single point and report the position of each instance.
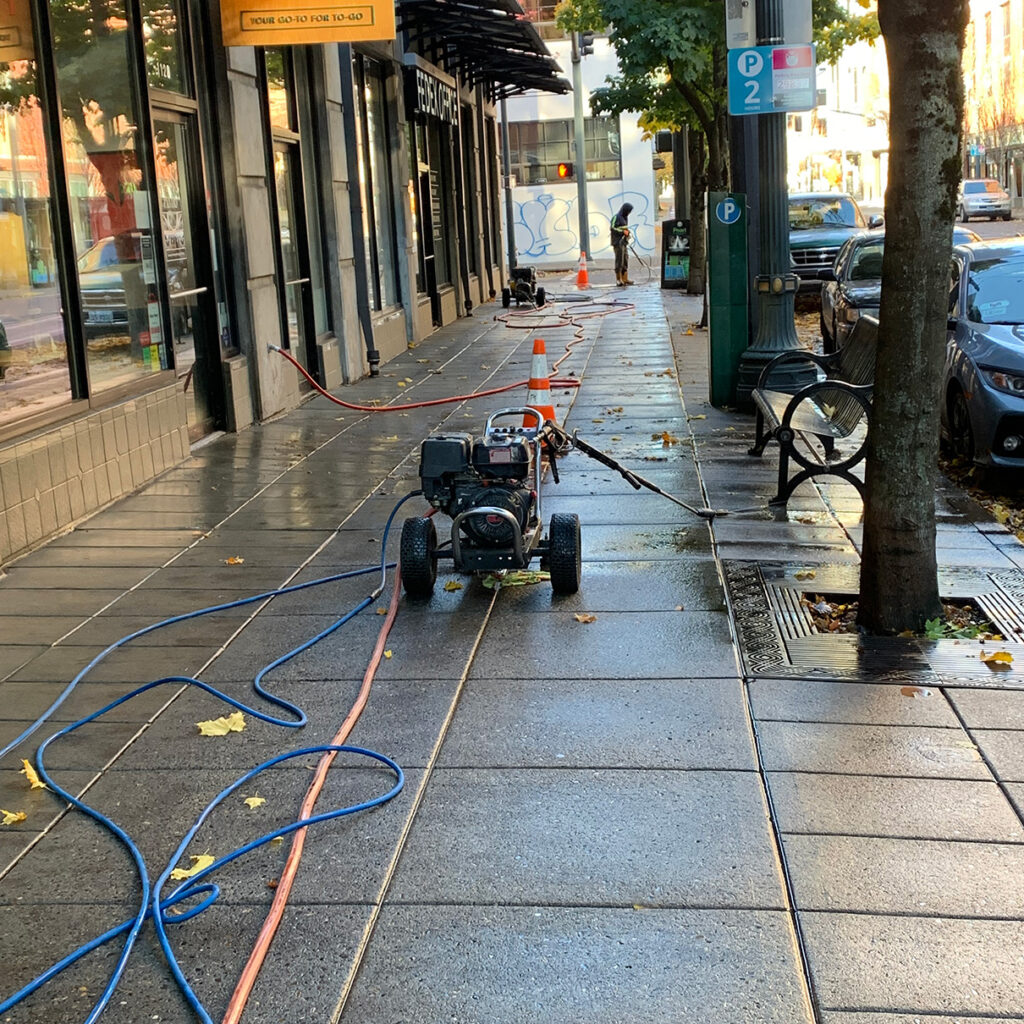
(582, 277)
(539, 396)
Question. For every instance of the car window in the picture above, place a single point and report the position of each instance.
(867, 262)
(977, 187)
(824, 211)
(995, 291)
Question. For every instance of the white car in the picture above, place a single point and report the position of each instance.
(982, 197)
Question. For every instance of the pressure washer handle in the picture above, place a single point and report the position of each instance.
(594, 453)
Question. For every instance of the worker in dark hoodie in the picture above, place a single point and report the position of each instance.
(620, 243)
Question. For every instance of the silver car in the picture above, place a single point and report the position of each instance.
(982, 197)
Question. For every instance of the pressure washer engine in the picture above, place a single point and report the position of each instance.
(490, 488)
(523, 288)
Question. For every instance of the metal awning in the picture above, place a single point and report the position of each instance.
(485, 41)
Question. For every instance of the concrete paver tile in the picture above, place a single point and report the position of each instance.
(907, 876)
(923, 964)
(504, 965)
(847, 703)
(591, 837)
(865, 805)
(600, 723)
(1005, 751)
(990, 709)
(870, 750)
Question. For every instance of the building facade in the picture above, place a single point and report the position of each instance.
(171, 209)
(994, 95)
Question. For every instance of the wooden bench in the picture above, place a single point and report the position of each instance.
(827, 410)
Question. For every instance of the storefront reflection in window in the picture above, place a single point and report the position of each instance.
(111, 200)
(33, 354)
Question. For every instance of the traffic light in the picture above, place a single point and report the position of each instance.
(586, 43)
(566, 172)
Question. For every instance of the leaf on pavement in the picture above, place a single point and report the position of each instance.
(252, 802)
(12, 817)
(203, 860)
(222, 726)
(32, 775)
(996, 659)
(516, 578)
(453, 585)
(234, 560)
(805, 574)
(388, 654)
(585, 617)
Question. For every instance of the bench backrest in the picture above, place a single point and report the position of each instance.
(856, 365)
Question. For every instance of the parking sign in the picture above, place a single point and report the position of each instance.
(770, 79)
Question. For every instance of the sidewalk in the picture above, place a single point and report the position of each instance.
(692, 808)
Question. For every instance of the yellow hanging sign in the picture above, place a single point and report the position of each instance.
(16, 31)
(294, 22)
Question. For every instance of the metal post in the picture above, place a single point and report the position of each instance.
(581, 145)
(506, 171)
(776, 285)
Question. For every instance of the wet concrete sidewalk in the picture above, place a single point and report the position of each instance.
(692, 807)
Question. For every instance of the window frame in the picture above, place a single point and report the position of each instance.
(550, 151)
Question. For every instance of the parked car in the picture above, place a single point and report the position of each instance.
(853, 284)
(983, 407)
(819, 223)
(982, 197)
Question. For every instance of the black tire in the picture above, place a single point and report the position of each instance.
(961, 215)
(961, 433)
(564, 562)
(418, 556)
(541, 297)
(506, 297)
(1006, 216)
(828, 340)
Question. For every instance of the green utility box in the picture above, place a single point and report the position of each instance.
(728, 284)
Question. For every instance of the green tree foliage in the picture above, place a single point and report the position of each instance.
(672, 60)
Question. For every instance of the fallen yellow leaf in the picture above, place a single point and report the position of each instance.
(702, 416)
(585, 617)
(204, 860)
(222, 726)
(12, 817)
(255, 801)
(382, 611)
(401, 383)
(996, 658)
(805, 574)
(234, 560)
(32, 775)
(391, 437)
(387, 654)
(453, 585)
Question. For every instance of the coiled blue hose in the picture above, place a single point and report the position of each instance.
(151, 905)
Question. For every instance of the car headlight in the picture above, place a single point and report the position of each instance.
(1002, 380)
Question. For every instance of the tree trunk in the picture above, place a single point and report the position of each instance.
(698, 233)
(924, 43)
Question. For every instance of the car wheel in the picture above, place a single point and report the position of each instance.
(961, 215)
(1006, 216)
(828, 338)
(961, 434)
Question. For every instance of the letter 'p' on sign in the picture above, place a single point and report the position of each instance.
(296, 22)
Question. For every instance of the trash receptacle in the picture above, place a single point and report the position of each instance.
(675, 253)
(728, 275)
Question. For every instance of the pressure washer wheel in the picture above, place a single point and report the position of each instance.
(540, 297)
(563, 559)
(506, 297)
(418, 556)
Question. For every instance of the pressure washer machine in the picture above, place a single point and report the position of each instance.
(523, 288)
(490, 487)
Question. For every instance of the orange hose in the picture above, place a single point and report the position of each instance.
(250, 972)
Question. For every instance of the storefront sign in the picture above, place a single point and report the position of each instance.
(293, 22)
(429, 95)
(16, 31)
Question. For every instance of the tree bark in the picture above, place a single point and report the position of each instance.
(924, 43)
(698, 233)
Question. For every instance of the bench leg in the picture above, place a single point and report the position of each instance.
(829, 444)
(761, 438)
(785, 488)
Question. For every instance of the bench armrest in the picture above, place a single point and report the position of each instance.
(823, 362)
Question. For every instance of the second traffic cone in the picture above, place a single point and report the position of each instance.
(582, 277)
(539, 395)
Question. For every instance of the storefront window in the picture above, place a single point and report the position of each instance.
(111, 196)
(33, 353)
(284, 188)
(279, 89)
(537, 147)
(165, 51)
(469, 189)
(376, 182)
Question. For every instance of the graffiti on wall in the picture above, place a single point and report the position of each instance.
(547, 226)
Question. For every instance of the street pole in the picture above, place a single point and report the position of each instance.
(506, 170)
(581, 150)
(776, 284)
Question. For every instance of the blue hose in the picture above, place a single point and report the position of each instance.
(151, 905)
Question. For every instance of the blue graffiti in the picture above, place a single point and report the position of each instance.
(545, 226)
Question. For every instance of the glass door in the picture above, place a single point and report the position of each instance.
(187, 262)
